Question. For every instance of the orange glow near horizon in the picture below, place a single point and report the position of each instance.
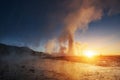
(89, 53)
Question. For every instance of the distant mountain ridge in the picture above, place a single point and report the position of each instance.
(8, 49)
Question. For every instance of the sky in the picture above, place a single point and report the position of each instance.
(33, 23)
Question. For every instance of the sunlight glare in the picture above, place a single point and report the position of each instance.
(89, 53)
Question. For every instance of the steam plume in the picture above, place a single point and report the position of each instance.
(81, 13)
(50, 46)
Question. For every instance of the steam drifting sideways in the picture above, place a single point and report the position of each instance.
(78, 15)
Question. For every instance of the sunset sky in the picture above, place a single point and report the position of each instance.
(34, 22)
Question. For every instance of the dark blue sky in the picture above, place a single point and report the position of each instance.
(33, 22)
(25, 21)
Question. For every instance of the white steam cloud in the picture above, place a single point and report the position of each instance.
(82, 12)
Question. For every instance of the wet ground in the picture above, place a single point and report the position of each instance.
(36, 68)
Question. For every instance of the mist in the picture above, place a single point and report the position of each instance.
(80, 13)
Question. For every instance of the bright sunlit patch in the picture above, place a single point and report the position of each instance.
(89, 53)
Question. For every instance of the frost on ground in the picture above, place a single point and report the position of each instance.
(36, 68)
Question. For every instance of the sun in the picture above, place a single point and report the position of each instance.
(89, 53)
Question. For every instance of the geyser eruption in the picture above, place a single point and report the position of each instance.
(79, 20)
(80, 14)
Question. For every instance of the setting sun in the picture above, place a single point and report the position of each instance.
(89, 53)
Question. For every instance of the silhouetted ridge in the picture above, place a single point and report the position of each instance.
(8, 49)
